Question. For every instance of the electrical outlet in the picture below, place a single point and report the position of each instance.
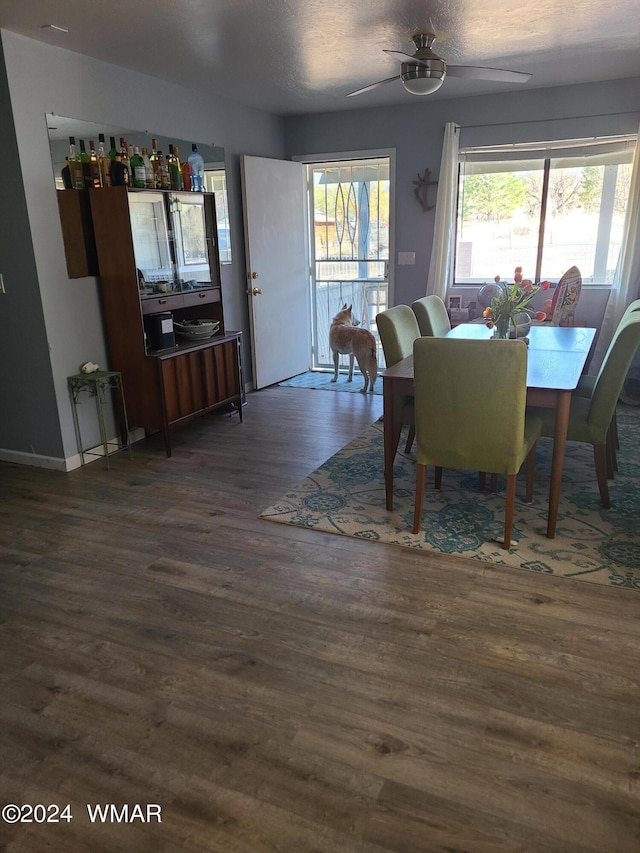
(2, 290)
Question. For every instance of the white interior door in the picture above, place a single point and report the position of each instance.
(277, 267)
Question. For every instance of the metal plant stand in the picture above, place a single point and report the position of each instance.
(99, 385)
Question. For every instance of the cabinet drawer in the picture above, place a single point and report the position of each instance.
(162, 303)
(201, 297)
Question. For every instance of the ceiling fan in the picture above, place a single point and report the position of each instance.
(424, 71)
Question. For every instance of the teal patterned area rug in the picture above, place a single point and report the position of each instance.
(346, 496)
(319, 381)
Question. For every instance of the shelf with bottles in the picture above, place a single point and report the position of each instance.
(131, 166)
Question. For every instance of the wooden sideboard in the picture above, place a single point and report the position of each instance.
(197, 378)
(163, 387)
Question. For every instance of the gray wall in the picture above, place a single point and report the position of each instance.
(27, 401)
(62, 315)
(416, 132)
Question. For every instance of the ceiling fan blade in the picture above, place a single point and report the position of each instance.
(500, 75)
(404, 57)
(373, 86)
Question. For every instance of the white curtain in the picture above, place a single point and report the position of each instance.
(626, 282)
(441, 265)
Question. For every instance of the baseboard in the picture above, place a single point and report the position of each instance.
(54, 463)
(35, 460)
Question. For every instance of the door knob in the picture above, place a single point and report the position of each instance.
(256, 291)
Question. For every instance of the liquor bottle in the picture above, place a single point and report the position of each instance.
(165, 177)
(105, 162)
(124, 156)
(86, 168)
(150, 178)
(113, 151)
(179, 165)
(121, 168)
(197, 169)
(119, 173)
(186, 176)
(75, 165)
(156, 163)
(137, 169)
(65, 174)
(94, 166)
(174, 174)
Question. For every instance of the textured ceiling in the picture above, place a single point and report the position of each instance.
(301, 56)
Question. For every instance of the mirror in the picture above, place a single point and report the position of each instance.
(60, 128)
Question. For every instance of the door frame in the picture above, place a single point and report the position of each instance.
(367, 154)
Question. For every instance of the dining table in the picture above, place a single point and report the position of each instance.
(556, 359)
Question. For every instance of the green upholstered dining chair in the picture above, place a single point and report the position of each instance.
(432, 317)
(590, 418)
(587, 382)
(398, 329)
(585, 389)
(470, 413)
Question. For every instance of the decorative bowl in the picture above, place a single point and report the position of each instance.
(523, 324)
(196, 329)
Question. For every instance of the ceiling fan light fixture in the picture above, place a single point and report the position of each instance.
(423, 79)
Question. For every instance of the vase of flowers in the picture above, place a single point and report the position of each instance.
(510, 312)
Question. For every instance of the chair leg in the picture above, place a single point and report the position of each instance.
(482, 480)
(612, 463)
(410, 438)
(600, 456)
(531, 474)
(494, 483)
(421, 471)
(613, 440)
(438, 482)
(508, 510)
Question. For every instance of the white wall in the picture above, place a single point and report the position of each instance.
(43, 79)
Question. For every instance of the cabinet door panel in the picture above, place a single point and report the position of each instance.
(190, 383)
(221, 373)
(77, 233)
(183, 386)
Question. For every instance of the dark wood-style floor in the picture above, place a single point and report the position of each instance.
(277, 689)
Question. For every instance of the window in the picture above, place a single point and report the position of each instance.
(216, 183)
(543, 206)
(190, 227)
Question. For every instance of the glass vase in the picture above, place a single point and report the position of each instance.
(502, 327)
